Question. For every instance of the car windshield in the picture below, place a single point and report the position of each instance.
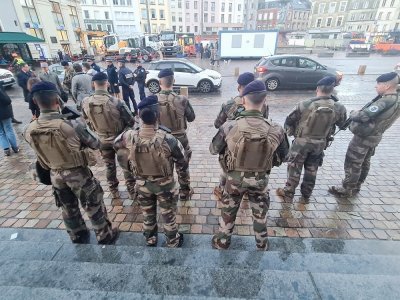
(167, 37)
(197, 68)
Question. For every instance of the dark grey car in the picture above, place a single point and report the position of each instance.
(292, 71)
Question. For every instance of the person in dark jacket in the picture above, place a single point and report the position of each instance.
(22, 79)
(93, 65)
(140, 77)
(32, 104)
(112, 78)
(7, 135)
(127, 81)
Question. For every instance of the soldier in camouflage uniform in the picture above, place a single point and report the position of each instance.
(108, 117)
(368, 126)
(68, 74)
(175, 112)
(312, 123)
(153, 153)
(250, 145)
(64, 147)
(230, 111)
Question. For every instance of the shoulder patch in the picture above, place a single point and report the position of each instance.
(373, 108)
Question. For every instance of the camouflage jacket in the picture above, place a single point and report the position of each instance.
(374, 120)
(293, 119)
(219, 142)
(171, 146)
(77, 135)
(67, 82)
(231, 110)
(124, 115)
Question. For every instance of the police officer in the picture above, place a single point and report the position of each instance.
(153, 153)
(230, 111)
(112, 78)
(64, 147)
(312, 123)
(108, 117)
(368, 126)
(249, 146)
(126, 80)
(175, 112)
(140, 77)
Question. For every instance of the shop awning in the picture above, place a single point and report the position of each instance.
(18, 38)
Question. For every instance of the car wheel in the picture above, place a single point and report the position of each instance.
(145, 57)
(272, 84)
(205, 86)
(153, 86)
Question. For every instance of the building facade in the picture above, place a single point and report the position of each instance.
(155, 15)
(388, 16)
(250, 14)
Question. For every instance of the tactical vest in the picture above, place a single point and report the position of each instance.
(232, 113)
(380, 124)
(104, 115)
(249, 148)
(52, 148)
(172, 113)
(317, 120)
(147, 156)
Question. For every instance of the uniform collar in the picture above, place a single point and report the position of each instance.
(101, 92)
(251, 113)
(166, 92)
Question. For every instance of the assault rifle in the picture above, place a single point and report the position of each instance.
(68, 111)
(346, 123)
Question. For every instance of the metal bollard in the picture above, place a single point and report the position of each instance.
(236, 71)
(361, 69)
(184, 91)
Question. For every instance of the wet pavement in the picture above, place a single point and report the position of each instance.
(373, 214)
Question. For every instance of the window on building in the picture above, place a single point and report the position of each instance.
(212, 6)
(355, 5)
(83, 1)
(321, 8)
(187, 28)
(196, 17)
(205, 18)
(187, 4)
(362, 17)
(230, 18)
(153, 14)
(205, 6)
(31, 16)
(74, 17)
(104, 2)
(99, 27)
(230, 7)
(94, 2)
(89, 27)
(195, 4)
(383, 3)
(396, 27)
(380, 16)
(174, 28)
(352, 17)
(180, 18)
(162, 14)
(122, 2)
(222, 18)
(392, 3)
(239, 7)
(129, 2)
(328, 22)
(366, 4)
(259, 17)
(318, 23)
(59, 21)
(144, 14)
(222, 6)
(388, 15)
(62, 35)
(332, 7)
(115, 2)
(212, 19)
(339, 21)
(109, 28)
(106, 15)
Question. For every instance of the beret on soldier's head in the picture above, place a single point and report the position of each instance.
(245, 78)
(165, 73)
(148, 101)
(254, 87)
(99, 76)
(44, 86)
(386, 77)
(327, 81)
(64, 63)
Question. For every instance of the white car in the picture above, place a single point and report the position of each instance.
(186, 74)
(7, 78)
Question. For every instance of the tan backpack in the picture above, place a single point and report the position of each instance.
(317, 121)
(52, 148)
(147, 156)
(171, 116)
(249, 148)
(104, 115)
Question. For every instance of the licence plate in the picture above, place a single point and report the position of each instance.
(169, 49)
(8, 80)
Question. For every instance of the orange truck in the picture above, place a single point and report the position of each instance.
(385, 47)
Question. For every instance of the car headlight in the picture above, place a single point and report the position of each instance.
(214, 76)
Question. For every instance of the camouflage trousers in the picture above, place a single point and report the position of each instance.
(161, 192)
(108, 155)
(79, 183)
(237, 184)
(308, 154)
(357, 162)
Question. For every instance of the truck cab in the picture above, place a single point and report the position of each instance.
(169, 43)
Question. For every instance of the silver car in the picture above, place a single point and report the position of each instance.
(292, 72)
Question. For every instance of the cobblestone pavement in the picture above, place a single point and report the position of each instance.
(373, 214)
